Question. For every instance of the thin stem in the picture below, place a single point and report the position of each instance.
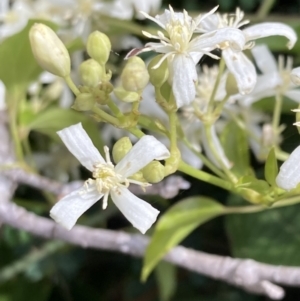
(203, 176)
(71, 85)
(13, 99)
(105, 116)
(216, 155)
(265, 8)
(213, 94)
(277, 113)
(114, 108)
(205, 161)
(136, 132)
(173, 130)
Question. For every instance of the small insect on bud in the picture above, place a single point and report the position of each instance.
(91, 73)
(154, 172)
(49, 51)
(98, 47)
(158, 75)
(121, 148)
(135, 76)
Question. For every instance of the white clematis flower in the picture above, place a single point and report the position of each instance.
(275, 78)
(183, 51)
(237, 62)
(289, 175)
(108, 179)
(295, 76)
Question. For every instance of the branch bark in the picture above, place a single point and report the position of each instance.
(248, 274)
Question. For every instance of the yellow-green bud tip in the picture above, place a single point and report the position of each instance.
(121, 148)
(98, 47)
(154, 172)
(135, 76)
(49, 51)
(158, 75)
(91, 73)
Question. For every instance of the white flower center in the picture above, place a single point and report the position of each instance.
(106, 178)
(180, 34)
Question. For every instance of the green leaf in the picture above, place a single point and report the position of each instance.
(54, 119)
(271, 236)
(166, 279)
(234, 141)
(271, 168)
(176, 224)
(18, 66)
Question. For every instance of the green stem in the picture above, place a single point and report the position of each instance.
(213, 94)
(136, 132)
(173, 130)
(114, 108)
(277, 113)
(205, 161)
(209, 138)
(265, 8)
(203, 176)
(13, 99)
(71, 85)
(105, 116)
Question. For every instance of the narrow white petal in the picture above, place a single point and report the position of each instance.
(217, 145)
(139, 213)
(264, 59)
(293, 95)
(242, 69)
(289, 173)
(147, 149)
(80, 145)
(212, 40)
(2, 96)
(295, 76)
(67, 210)
(267, 29)
(184, 77)
(189, 157)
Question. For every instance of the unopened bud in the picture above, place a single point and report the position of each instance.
(154, 172)
(49, 51)
(121, 148)
(91, 73)
(126, 96)
(135, 76)
(98, 47)
(158, 75)
(84, 102)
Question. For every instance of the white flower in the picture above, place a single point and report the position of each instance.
(183, 51)
(237, 63)
(289, 175)
(108, 179)
(295, 76)
(275, 78)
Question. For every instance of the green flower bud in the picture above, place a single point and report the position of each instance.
(231, 85)
(98, 47)
(135, 76)
(49, 51)
(84, 102)
(154, 172)
(91, 73)
(121, 148)
(158, 76)
(126, 96)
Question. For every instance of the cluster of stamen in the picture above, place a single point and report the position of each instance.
(284, 71)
